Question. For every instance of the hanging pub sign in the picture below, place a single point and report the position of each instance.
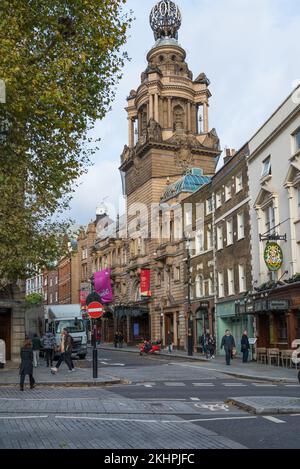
(145, 283)
(273, 256)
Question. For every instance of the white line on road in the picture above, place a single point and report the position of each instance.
(259, 385)
(202, 384)
(25, 417)
(75, 417)
(234, 385)
(273, 419)
(291, 385)
(195, 399)
(174, 384)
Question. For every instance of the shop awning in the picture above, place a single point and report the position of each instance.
(129, 311)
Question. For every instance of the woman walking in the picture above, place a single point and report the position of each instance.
(36, 347)
(26, 367)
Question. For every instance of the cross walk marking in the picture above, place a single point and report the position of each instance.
(174, 384)
(273, 419)
(259, 385)
(202, 384)
(235, 385)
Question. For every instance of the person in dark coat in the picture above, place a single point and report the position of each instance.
(228, 343)
(26, 367)
(245, 346)
(116, 339)
(120, 339)
(169, 341)
(49, 344)
(211, 346)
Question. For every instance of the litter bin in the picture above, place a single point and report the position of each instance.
(2, 353)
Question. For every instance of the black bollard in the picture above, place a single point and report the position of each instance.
(95, 362)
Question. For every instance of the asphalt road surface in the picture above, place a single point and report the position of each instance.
(166, 404)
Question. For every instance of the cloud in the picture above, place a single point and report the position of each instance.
(248, 49)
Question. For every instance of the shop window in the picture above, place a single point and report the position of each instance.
(298, 326)
(282, 329)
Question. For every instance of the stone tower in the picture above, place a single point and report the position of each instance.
(168, 134)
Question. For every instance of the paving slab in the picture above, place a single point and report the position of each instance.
(264, 405)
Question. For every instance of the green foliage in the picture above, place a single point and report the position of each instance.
(34, 299)
(61, 62)
(294, 278)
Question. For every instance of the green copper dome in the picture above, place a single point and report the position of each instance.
(190, 182)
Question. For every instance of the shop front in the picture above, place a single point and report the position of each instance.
(278, 317)
(132, 322)
(230, 316)
(204, 320)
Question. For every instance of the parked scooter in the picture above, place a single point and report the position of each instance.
(150, 347)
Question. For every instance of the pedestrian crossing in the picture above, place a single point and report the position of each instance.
(202, 384)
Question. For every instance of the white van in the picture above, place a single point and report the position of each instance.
(59, 317)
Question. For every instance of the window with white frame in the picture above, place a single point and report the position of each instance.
(188, 217)
(56, 296)
(45, 281)
(297, 140)
(218, 199)
(51, 298)
(240, 225)
(209, 238)
(242, 278)
(269, 218)
(177, 274)
(266, 170)
(221, 284)
(209, 206)
(199, 245)
(229, 231)
(227, 192)
(210, 287)
(230, 279)
(219, 237)
(51, 282)
(199, 286)
(238, 183)
(56, 280)
(45, 296)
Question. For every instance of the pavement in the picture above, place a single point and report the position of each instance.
(251, 370)
(82, 376)
(267, 405)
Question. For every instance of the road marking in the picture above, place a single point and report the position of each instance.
(213, 407)
(259, 385)
(234, 385)
(75, 417)
(291, 385)
(202, 384)
(155, 399)
(174, 384)
(195, 399)
(25, 417)
(273, 419)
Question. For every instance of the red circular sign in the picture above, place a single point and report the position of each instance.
(95, 310)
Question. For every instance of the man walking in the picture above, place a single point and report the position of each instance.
(229, 344)
(245, 346)
(49, 343)
(36, 347)
(65, 352)
(169, 341)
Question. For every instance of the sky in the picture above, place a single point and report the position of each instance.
(249, 49)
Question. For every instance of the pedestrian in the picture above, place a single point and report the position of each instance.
(169, 341)
(66, 345)
(121, 339)
(36, 347)
(26, 367)
(116, 339)
(245, 346)
(98, 335)
(229, 344)
(211, 346)
(49, 344)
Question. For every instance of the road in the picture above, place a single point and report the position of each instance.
(166, 404)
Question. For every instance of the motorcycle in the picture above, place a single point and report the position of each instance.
(149, 347)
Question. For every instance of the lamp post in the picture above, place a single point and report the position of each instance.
(190, 315)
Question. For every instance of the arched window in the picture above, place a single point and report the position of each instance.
(199, 286)
(178, 118)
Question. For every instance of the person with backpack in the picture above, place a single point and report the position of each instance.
(66, 346)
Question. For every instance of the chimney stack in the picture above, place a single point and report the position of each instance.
(229, 153)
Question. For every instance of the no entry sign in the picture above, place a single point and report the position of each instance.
(95, 310)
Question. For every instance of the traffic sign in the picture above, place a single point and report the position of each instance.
(95, 310)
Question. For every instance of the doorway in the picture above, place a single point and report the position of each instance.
(169, 326)
(5, 330)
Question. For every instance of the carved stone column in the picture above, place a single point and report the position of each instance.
(205, 117)
(188, 116)
(156, 110)
(151, 106)
(130, 132)
(170, 123)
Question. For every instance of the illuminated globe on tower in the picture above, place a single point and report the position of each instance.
(165, 20)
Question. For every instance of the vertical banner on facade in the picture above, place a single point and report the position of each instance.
(83, 297)
(145, 282)
(103, 285)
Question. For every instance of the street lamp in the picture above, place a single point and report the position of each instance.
(190, 314)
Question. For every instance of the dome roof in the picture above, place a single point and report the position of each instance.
(190, 182)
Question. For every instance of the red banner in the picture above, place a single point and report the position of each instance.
(145, 282)
(83, 297)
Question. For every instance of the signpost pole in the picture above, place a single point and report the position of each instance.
(95, 351)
